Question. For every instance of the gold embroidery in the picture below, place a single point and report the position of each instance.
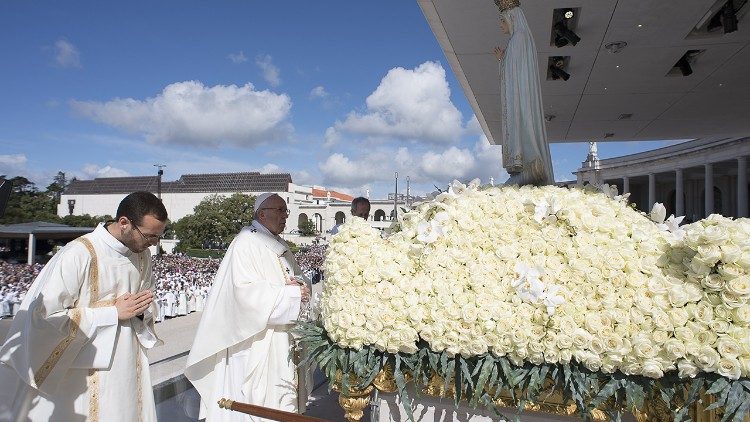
(93, 271)
(138, 382)
(284, 273)
(92, 382)
(103, 303)
(54, 357)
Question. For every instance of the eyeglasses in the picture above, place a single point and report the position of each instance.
(150, 238)
(284, 210)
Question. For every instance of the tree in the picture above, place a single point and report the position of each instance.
(307, 228)
(216, 220)
(85, 220)
(58, 185)
(27, 204)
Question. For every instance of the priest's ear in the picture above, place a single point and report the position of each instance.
(123, 222)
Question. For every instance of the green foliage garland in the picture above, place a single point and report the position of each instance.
(480, 380)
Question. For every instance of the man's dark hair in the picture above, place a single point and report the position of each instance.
(140, 204)
(359, 200)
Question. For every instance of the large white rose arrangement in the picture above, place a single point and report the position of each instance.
(500, 291)
(546, 275)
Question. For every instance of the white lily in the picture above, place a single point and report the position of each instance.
(546, 208)
(552, 299)
(430, 231)
(672, 224)
(658, 213)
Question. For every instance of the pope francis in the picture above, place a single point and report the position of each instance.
(242, 348)
(76, 351)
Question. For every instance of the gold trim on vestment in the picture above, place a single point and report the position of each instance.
(138, 380)
(92, 384)
(93, 271)
(57, 352)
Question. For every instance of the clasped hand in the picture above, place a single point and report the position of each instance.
(129, 305)
(499, 52)
(302, 287)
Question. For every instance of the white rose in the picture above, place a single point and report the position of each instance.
(678, 296)
(730, 368)
(644, 348)
(591, 361)
(722, 312)
(652, 369)
(741, 315)
(731, 300)
(662, 320)
(612, 343)
(745, 366)
(715, 234)
(739, 286)
(660, 336)
(703, 312)
(687, 369)
(566, 356)
(730, 253)
(679, 316)
(675, 349)
(728, 347)
(713, 282)
(707, 358)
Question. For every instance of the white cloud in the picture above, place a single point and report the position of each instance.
(190, 113)
(473, 127)
(66, 54)
(427, 167)
(318, 92)
(409, 104)
(451, 163)
(92, 171)
(271, 73)
(12, 165)
(271, 168)
(237, 57)
(303, 177)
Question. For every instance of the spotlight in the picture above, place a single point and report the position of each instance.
(556, 70)
(568, 14)
(729, 18)
(684, 65)
(563, 35)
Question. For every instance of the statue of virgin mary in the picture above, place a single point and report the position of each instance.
(526, 155)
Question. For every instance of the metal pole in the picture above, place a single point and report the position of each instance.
(408, 192)
(395, 201)
(159, 173)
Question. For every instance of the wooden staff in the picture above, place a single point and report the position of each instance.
(264, 412)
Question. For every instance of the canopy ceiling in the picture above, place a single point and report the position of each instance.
(594, 103)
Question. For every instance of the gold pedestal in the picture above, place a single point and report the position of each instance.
(655, 410)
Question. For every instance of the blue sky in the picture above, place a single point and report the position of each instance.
(338, 93)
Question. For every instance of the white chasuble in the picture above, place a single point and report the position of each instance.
(67, 357)
(242, 347)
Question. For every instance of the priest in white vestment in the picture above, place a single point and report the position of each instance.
(242, 347)
(182, 303)
(76, 349)
(170, 300)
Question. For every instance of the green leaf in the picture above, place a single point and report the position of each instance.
(635, 395)
(735, 398)
(606, 392)
(718, 385)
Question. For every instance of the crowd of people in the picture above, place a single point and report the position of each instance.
(182, 282)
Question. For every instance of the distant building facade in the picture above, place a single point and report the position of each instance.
(678, 175)
(325, 208)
